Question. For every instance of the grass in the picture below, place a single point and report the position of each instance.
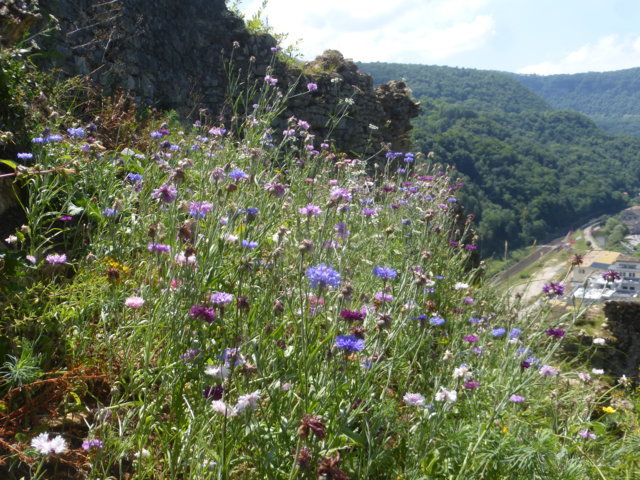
(219, 314)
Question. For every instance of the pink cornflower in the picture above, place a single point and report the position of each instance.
(587, 434)
(134, 302)
(56, 258)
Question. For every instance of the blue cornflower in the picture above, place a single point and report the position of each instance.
(75, 132)
(515, 333)
(436, 320)
(109, 212)
(350, 343)
(385, 273)
(323, 276)
(249, 244)
(134, 177)
(237, 174)
(25, 156)
(498, 332)
(199, 209)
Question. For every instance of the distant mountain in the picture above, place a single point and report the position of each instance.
(531, 171)
(611, 99)
(475, 89)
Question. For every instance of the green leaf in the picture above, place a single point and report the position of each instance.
(10, 163)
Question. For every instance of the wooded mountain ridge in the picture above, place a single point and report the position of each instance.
(531, 171)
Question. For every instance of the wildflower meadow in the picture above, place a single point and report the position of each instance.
(218, 300)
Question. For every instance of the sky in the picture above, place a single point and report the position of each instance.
(523, 36)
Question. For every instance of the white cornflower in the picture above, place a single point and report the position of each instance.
(221, 372)
(46, 445)
(462, 371)
(220, 407)
(597, 371)
(599, 341)
(249, 401)
(460, 286)
(445, 395)
(414, 400)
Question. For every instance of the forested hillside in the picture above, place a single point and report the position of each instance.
(611, 99)
(531, 172)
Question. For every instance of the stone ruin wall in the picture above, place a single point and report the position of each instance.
(174, 54)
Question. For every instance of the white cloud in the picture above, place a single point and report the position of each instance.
(611, 52)
(416, 31)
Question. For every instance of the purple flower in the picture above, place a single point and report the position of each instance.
(557, 333)
(56, 258)
(92, 443)
(515, 333)
(436, 320)
(322, 276)
(158, 247)
(611, 275)
(312, 87)
(207, 314)
(66, 218)
(369, 212)
(199, 209)
(220, 299)
(339, 194)
(471, 384)
(310, 210)
(276, 189)
(341, 230)
(551, 289)
(471, 338)
(385, 273)
(351, 316)
(165, 193)
(189, 355)
(383, 297)
(350, 343)
(516, 398)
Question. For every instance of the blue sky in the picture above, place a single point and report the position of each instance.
(525, 36)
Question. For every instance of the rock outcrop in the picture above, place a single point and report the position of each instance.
(175, 55)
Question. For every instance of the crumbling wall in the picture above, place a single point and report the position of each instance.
(174, 54)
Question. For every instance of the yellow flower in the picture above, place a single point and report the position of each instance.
(608, 409)
(505, 429)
